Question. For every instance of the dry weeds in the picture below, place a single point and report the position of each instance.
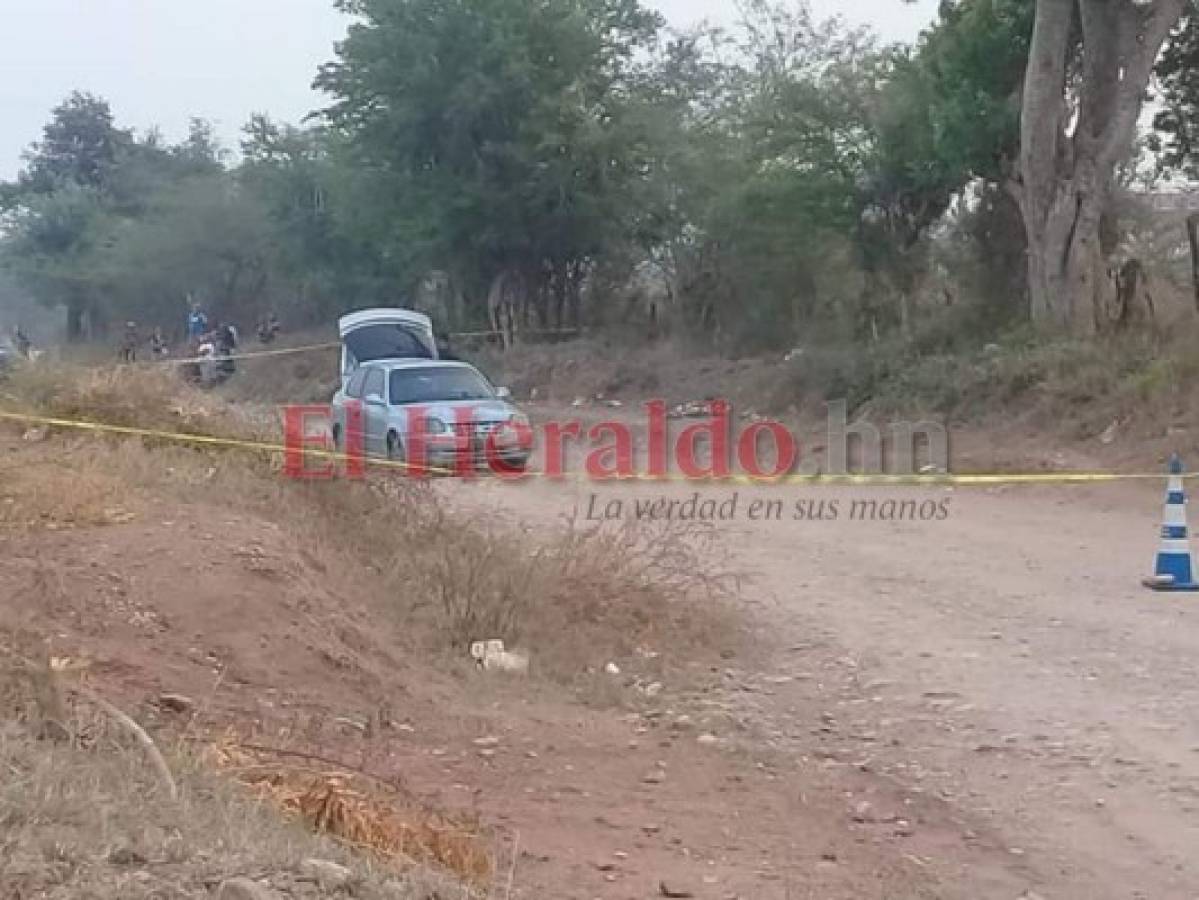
(146, 397)
(82, 815)
(44, 493)
(380, 819)
(576, 600)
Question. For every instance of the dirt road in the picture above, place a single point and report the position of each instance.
(1003, 662)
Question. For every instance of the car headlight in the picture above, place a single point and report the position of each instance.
(435, 426)
(519, 420)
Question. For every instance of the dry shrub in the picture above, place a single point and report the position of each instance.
(365, 814)
(629, 590)
(478, 592)
(575, 600)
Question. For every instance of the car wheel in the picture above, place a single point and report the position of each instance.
(517, 465)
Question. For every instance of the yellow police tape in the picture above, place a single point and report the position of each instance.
(260, 354)
(311, 348)
(932, 480)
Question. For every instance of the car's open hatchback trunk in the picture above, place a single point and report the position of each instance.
(390, 333)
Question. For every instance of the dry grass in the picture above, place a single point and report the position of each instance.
(381, 820)
(632, 591)
(34, 494)
(302, 378)
(575, 600)
(82, 815)
(147, 397)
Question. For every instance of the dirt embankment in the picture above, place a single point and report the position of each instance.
(220, 606)
(284, 643)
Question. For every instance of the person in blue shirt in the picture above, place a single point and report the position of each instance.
(197, 323)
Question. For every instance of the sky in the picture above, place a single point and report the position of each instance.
(161, 62)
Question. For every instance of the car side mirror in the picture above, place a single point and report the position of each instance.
(503, 393)
(375, 400)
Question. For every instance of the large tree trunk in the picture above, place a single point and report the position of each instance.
(1069, 150)
(1065, 263)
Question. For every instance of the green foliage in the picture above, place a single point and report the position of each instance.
(974, 59)
(85, 185)
(79, 146)
(153, 225)
(762, 159)
(200, 237)
(796, 182)
(1177, 123)
(491, 135)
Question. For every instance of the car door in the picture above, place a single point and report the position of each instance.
(374, 410)
(341, 420)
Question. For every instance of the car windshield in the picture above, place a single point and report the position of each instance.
(433, 385)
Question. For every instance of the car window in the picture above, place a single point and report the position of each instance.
(374, 383)
(354, 388)
(432, 385)
(388, 341)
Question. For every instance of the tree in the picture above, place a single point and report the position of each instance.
(493, 136)
(325, 255)
(105, 223)
(1177, 123)
(57, 201)
(50, 239)
(79, 146)
(201, 236)
(1075, 128)
(762, 142)
(945, 124)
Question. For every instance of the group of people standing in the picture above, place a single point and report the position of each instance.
(204, 339)
(131, 341)
(212, 346)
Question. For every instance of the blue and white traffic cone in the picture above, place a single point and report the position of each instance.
(1174, 570)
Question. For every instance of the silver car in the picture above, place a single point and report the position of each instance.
(449, 407)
